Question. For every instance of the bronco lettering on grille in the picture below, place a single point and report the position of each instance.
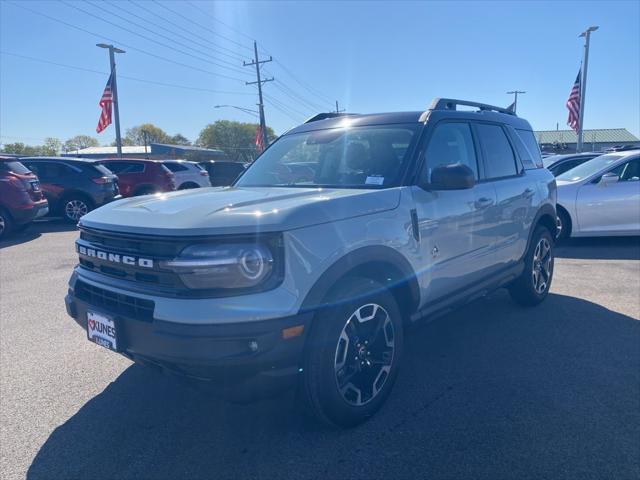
(115, 257)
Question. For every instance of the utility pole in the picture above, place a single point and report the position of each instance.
(259, 82)
(337, 109)
(114, 90)
(583, 84)
(515, 100)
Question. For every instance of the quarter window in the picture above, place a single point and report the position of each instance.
(451, 143)
(498, 154)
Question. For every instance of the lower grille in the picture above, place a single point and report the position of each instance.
(113, 302)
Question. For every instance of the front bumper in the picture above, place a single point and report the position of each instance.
(243, 361)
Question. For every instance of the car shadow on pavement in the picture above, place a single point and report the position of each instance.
(491, 390)
(600, 248)
(35, 230)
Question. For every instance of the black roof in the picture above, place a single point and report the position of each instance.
(63, 159)
(440, 108)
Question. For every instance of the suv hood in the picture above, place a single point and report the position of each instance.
(230, 210)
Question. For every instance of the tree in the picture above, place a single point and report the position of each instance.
(236, 139)
(52, 146)
(179, 139)
(146, 133)
(79, 142)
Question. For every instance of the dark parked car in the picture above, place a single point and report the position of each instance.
(140, 177)
(21, 199)
(559, 164)
(73, 186)
(223, 173)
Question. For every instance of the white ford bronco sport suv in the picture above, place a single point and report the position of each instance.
(309, 268)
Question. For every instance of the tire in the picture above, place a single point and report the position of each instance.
(188, 186)
(74, 207)
(350, 365)
(149, 190)
(532, 287)
(563, 223)
(6, 224)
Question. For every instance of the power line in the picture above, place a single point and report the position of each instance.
(282, 105)
(147, 38)
(295, 97)
(324, 98)
(131, 47)
(135, 79)
(216, 48)
(201, 26)
(233, 67)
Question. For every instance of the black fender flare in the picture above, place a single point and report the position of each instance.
(545, 210)
(400, 276)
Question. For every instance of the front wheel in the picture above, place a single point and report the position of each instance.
(74, 208)
(532, 287)
(353, 354)
(5, 224)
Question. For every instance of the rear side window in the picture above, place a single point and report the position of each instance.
(125, 167)
(104, 171)
(227, 169)
(451, 143)
(175, 167)
(499, 158)
(529, 140)
(49, 171)
(15, 167)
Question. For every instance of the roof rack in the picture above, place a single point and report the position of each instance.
(324, 116)
(451, 104)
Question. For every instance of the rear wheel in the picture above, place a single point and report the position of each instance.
(353, 354)
(6, 224)
(75, 207)
(532, 287)
(563, 225)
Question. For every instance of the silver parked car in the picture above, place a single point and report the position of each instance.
(600, 197)
(188, 174)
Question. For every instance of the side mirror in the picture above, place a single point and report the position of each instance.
(609, 178)
(451, 177)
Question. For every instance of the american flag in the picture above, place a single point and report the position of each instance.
(106, 104)
(259, 140)
(573, 104)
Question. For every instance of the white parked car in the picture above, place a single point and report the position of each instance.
(601, 197)
(187, 174)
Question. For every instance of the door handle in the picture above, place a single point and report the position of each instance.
(483, 202)
(528, 192)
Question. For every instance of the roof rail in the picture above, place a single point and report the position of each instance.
(324, 116)
(451, 104)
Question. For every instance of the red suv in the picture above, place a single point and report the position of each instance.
(21, 199)
(140, 177)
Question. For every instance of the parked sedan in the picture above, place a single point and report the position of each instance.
(601, 197)
(188, 174)
(140, 177)
(21, 199)
(73, 186)
(559, 164)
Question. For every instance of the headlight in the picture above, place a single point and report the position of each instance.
(223, 266)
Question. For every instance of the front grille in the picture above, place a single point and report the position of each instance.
(112, 302)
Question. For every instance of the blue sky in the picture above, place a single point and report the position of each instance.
(371, 56)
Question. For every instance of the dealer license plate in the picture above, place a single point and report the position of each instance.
(101, 329)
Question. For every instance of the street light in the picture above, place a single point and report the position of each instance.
(242, 109)
(114, 91)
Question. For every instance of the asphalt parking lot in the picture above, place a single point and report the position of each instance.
(490, 391)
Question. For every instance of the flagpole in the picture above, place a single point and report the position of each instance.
(583, 84)
(114, 90)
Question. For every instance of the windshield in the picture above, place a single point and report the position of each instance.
(359, 157)
(588, 168)
(548, 161)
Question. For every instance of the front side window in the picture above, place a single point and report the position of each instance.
(628, 172)
(590, 167)
(352, 157)
(451, 143)
(498, 155)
